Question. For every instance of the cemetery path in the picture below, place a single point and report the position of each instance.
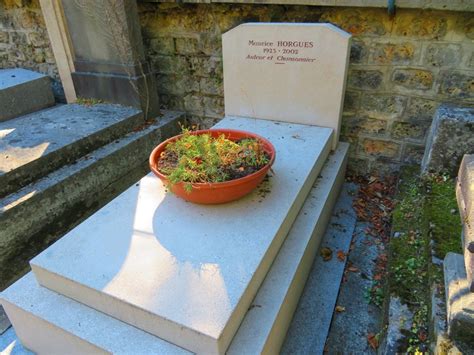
(357, 323)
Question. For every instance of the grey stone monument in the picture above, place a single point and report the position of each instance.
(108, 50)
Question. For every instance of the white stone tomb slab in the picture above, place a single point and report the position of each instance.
(40, 315)
(184, 272)
(289, 72)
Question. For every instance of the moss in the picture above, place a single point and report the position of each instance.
(441, 211)
(425, 221)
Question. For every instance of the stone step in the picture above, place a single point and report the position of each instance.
(311, 322)
(36, 215)
(36, 144)
(185, 272)
(23, 91)
(40, 315)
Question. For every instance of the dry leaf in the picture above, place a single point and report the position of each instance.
(353, 269)
(373, 341)
(341, 256)
(340, 309)
(326, 253)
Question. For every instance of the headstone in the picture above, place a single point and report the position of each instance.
(287, 72)
(109, 58)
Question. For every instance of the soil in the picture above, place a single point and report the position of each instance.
(170, 160)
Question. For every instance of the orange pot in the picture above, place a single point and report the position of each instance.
(219, 192)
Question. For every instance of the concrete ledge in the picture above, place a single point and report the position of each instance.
(37, 215)
(459, 300)
(452, 5)
(23, 91)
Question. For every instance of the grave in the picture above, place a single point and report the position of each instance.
(185, 276)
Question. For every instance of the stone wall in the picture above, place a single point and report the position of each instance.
(24, 41)
(401, 69)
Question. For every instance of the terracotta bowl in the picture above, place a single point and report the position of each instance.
(220, 192)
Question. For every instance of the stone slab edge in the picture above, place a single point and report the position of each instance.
(27, 173)
(56, 311)
(27, 96)
(459, 301)
(266, 323)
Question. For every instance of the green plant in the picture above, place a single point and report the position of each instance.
(202, 158)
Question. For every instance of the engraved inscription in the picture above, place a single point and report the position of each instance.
(280, 52)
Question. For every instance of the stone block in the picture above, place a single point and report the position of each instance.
(459, 85)
(213, 106)
(414, 79)
(288, 72)
(383, 106)
(413, 153)
(408, 130)
(414, 24)
(393, 53)
(451, 135)
(211, 86)
(420, 109)
(353, 126)
(443, 54)
(184, 272)
(187, 45)
(382, 148)
(23, 91)
(357, 22)
(4, 37)
(162, 45)
(351, 101)
(459, 300)
(177, 85)
(359, 52)
(365, 79)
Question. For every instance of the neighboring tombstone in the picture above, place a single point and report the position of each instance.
(465, 197)
(109, 59)
(451, 136)
(288, 72)
(459, 269)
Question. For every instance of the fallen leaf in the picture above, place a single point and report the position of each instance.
(326, 253)
(378, 277)
(341, 256)
(340, 309)
(353, 269)
(373, 341)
